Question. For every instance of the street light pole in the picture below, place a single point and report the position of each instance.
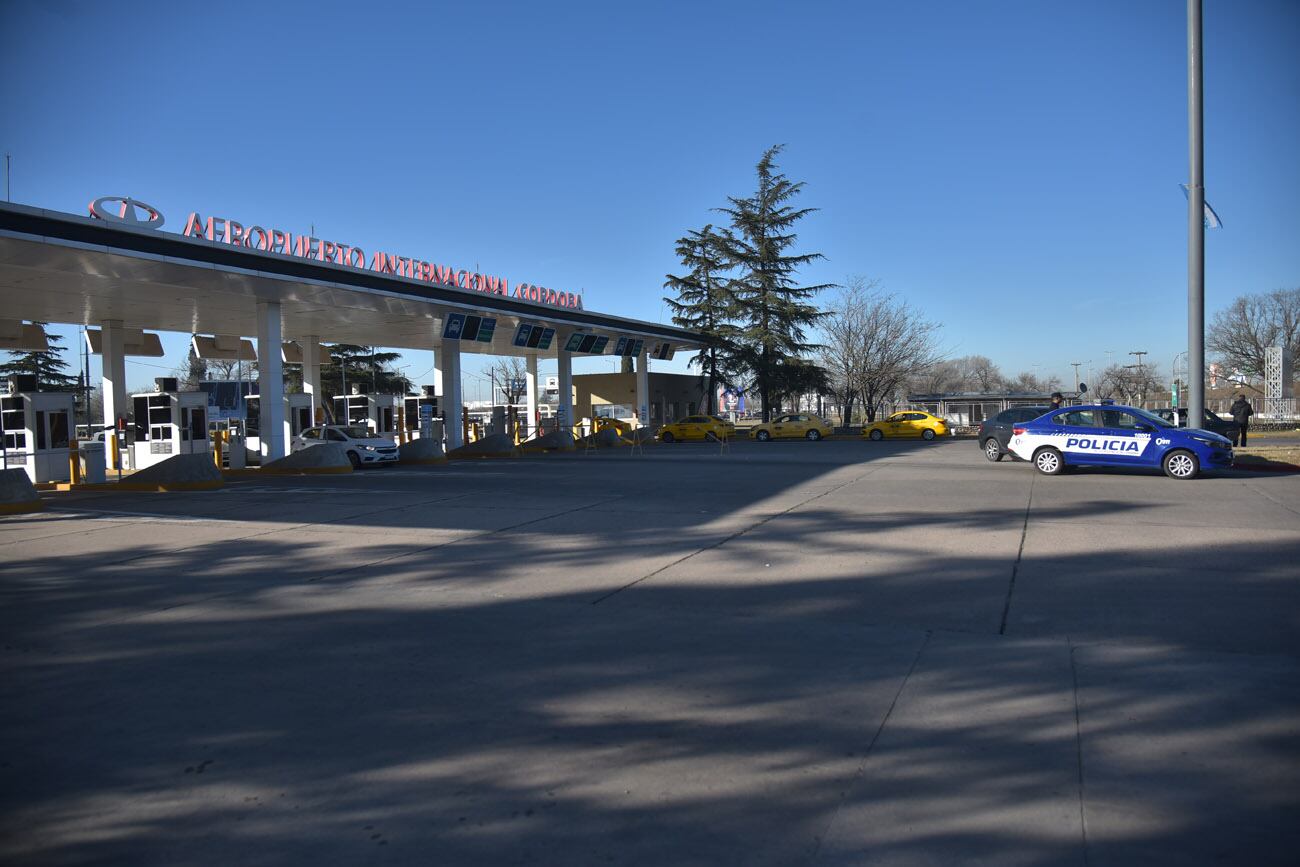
(1141, 375)
(1195, 216)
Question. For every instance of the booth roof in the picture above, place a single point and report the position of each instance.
(63, 268)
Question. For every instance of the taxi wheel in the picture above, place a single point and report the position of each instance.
(927, 434)
(814, 435)
(1048, 461)
(762, 436)
(667, 436)
(355, 460)
(1180, 464)
(877, 435)
(992, 450)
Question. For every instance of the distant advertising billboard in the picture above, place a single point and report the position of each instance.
(730, 399)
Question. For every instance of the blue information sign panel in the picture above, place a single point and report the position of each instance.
(453, 325)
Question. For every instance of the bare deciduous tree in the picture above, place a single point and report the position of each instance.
(510, 375)
(1241, 332)
(874, 343)
(1130, 383)
(1028, 381)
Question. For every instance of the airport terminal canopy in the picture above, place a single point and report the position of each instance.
(119, 264)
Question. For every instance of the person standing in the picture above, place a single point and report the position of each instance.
(1241, 412)
(1058, 401)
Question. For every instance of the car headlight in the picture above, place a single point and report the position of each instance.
(367, 448)
(1215, 443)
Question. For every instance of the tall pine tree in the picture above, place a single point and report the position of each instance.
(366, 366)
(704, 304)
(47, 367)
(772, 308)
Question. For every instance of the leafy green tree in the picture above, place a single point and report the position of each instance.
(772, 309)
(364, 365)
(800, 377)
(704, 304)
(47, 367)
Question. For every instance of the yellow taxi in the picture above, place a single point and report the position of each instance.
(909, 423)
(792, 426)
(696, 427)
(728, 428)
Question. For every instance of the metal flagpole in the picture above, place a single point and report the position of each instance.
(1195, 218)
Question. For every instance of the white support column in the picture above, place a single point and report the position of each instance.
(643, 389)
(270, 381)
(114, 371)
(311, 372)
(530, 379)
(564, 409)
(452, 401)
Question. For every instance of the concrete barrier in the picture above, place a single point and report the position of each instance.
(194, 472)
(494, 446)
(603, 439)
(421, 451)
(326, 458)
(18, 494)
(555, 441)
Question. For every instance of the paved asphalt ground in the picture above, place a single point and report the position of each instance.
(796, 654)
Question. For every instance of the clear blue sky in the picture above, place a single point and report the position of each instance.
(1011, 168)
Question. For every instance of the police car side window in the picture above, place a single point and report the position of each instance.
(311, 434)
(1077, 418)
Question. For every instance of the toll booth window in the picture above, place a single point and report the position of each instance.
(58, 430)
(141, 418)
(198, 423)
(40, 431)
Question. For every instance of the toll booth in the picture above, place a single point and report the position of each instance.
(297, 418)
(379, 412)
(37, 429)
(168, 422)
(420, 409)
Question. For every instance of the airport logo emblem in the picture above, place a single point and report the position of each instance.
(122, 209)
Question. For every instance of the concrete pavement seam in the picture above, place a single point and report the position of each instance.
(735, 535)
(866, 756)
(1015, 567)
(1269, 497)
(455, 541)
(1078, 746)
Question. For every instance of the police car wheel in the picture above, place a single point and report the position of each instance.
(877, 435)
(1180, 464)
(762, 436)
(927, 434)
(355, 460)
(1048, 461)
(814, 435)
(992, 450)
(667, 436)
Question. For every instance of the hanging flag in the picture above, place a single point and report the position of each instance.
(1212, 220)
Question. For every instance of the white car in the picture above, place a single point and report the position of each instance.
(361, 445)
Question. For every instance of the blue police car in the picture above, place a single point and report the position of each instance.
(1110, 435)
